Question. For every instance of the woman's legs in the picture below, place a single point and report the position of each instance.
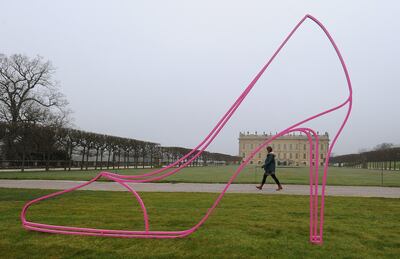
(277, 182)
(263, 182)
(273, 177)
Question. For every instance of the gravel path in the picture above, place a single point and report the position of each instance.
(358, 191)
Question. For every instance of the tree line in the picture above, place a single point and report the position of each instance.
(35, 126)
(71, 148)
(385, 157)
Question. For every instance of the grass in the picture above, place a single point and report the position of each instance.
(221, 174)
(243, 226)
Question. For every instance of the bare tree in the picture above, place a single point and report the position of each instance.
(144, 151)
(27, 89)
(383, 146)
(136, 152)
(28, 94)
(99, 145)
(110, 147)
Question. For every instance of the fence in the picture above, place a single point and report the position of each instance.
(71, 165)
(22, 165)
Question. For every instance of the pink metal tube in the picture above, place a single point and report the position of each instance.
(154, 234)
(315, 237)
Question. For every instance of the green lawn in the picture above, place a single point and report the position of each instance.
(243, 225)
(251, 174)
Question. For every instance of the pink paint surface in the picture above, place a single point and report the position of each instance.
(316, 205)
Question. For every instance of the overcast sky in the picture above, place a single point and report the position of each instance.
(166, 71)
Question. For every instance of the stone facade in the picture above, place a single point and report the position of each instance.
(291, 150)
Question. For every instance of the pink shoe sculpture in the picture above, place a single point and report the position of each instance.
(316, 206)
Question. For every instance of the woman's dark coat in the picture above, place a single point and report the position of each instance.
(269, 164)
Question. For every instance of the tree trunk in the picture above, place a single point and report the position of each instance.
(113, 160)
(119, 157)
(101, 159)
(97, 158)
(23, 160)
(47, 161)
(87, 158)
(83, 157)
(108, 161)
(127, 162)
(70, 158)
(66, 157)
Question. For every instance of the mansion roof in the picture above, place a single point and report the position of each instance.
(291, 136)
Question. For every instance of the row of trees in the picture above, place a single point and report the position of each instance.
(170, 154)
(30, 104)
(34, 126)
(71, 148)
(385, 157)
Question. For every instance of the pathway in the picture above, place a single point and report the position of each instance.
(358, 191)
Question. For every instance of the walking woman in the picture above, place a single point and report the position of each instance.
(269, 168)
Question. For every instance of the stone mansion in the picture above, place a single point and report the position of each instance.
(291, 150)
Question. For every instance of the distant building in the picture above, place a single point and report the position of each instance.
(291, 150)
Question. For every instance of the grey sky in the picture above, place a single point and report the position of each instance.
(166, 71)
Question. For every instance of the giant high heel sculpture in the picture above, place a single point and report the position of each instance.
(316, 220)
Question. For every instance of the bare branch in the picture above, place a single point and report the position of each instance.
(27, 86)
